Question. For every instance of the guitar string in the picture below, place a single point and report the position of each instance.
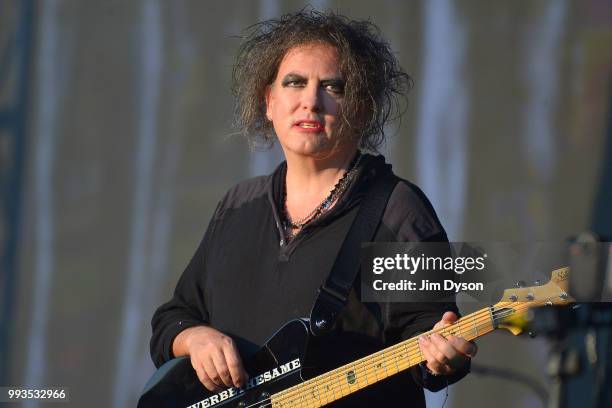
(316, 387)
(411, 349)
(303, 392)
(467, 319)
(336, 382)
(484, 313)
(338, 385)
(333, 379)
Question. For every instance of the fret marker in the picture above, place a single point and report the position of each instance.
(350, 377)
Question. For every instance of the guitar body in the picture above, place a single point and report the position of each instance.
(277, 366)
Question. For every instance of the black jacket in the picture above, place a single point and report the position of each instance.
(245, 281)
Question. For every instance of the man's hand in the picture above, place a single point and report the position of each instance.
(214, 357)
(446, 355)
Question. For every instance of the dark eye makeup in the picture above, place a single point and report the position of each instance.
(334, 85)
(293, 80)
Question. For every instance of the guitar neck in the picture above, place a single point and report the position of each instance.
(368, 370)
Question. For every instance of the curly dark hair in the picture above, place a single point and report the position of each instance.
(375, 84)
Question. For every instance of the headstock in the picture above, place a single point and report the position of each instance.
(511, 311)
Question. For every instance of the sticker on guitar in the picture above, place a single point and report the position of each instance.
(276, 372)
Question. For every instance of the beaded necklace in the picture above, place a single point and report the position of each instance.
(325, 205)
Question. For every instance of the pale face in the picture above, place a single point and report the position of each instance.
(305, 99)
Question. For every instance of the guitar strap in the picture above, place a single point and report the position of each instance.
(334, 292)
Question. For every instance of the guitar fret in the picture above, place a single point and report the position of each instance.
(339, 380)
(328, 381)
(407, 354)
(333, 388)
(406, 359)
(365, 373)
(312, 396)
(315, 388)
(395, 361)
(420, 353)
(375, 370)
(384, 363)
(326, 391)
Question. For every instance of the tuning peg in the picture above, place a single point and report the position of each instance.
(532, 334)
(520, 284)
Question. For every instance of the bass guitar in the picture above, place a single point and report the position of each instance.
(281, 382)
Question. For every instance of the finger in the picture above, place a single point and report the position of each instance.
(237, 372)
(468, 348)
(204, 378)
(218, 358)
(446, 352)
(442, 345)
(429, 360)
(441, 349)
(211, 371)
(447, 319)
(211, 386)
(433, 364)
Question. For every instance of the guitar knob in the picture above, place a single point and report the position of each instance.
(513, 298)
(563, 296)
(520, 284)
(548, 303)
(321, 323)
(532, 334)
(529, 296)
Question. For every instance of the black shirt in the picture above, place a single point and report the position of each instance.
(246, 281)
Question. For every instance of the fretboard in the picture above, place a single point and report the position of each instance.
(368, 370)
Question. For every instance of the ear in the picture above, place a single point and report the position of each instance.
(269, 102)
